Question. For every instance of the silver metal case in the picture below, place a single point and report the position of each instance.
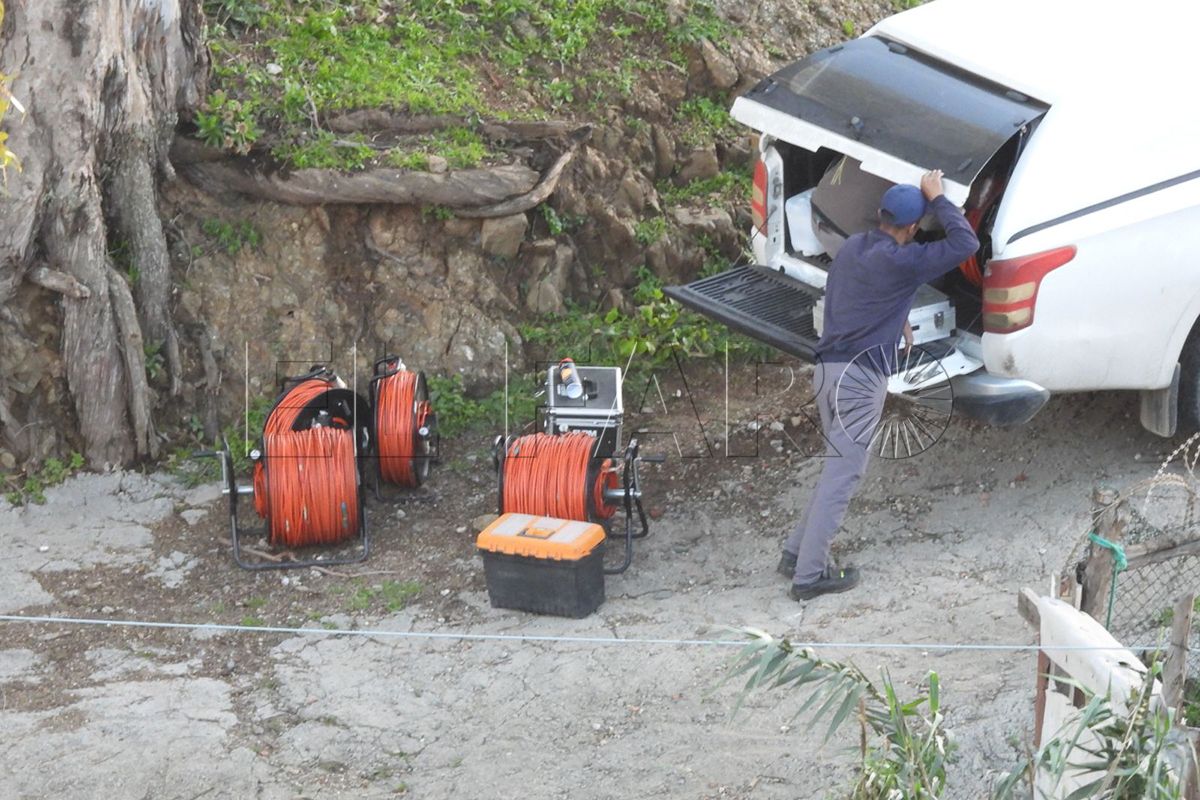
(599, 412)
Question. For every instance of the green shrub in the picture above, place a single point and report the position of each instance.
(657, 332)
(226, 123)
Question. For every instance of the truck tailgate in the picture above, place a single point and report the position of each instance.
(762, 303)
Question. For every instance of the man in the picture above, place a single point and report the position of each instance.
(868, 294)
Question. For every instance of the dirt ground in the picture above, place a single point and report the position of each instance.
(945, 539)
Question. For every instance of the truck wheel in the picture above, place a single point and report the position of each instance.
(1189, 384)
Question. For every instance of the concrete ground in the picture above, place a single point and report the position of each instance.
(945, 541)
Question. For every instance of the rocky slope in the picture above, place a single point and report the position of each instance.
(312, 283)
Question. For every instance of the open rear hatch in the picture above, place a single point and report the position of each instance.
(899, 113)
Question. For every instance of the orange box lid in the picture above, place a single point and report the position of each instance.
(540, 537)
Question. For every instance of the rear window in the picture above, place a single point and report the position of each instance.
(902, 103)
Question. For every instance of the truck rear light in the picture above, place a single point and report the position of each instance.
(1010, 288)
(758, 197)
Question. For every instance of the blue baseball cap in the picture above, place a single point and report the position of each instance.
(902, 204)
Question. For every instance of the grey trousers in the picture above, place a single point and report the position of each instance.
(850, 400)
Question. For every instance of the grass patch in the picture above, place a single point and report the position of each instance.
(461, 147)
(392, 596)
(732, 185)
(30, 486)
(706, 121)
(252, 622)
(231, 237)
(650, 231)
(326, 151)
(286, 65)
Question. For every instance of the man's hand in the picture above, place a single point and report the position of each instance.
(931, 184)
(908, 337)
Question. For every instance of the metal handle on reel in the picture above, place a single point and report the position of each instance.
(630, 496)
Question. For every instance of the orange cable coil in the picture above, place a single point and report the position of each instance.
(399, 416)
(550, 475)
(306, 483)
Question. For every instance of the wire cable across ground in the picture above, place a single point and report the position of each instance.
(467, 636)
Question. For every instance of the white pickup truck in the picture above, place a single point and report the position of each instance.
(1070, 132)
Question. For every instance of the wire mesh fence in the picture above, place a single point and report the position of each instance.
(1157, 530)
(1143, 609)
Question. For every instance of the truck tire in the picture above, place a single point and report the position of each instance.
(1189, 384)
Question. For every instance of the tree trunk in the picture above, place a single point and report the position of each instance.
(103, 82)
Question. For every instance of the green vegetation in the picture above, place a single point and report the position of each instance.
(226, 123)
(195, 471)
(326, 151)
(31, 487)
(288, 65)
(732, 185)
(649, 231)
(155, 360)
(230, 236)
(252, 622)
(848, 28)
(903, 745)
(461, 147)
(457, 413)
(391, 595)
(904, 749)
(560, 223)
(707, 120)
(654, 334)
(440, 213)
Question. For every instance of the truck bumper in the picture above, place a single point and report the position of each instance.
(997, 400)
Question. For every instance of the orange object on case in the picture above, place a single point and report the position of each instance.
(540, 537)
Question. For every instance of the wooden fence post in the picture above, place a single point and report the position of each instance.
(1109, 522)
(1175, 667)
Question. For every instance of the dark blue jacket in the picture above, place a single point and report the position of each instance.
(873, 281)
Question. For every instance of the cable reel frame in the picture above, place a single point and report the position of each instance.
(359, 423)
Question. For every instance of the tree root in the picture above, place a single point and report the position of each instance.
(131, 196)
(522, 203)
(60, 282)
(475, 193)
(132, 348)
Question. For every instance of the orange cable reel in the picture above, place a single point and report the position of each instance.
(306, 480)
(404, 419)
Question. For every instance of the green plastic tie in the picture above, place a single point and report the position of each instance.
(1120, 563)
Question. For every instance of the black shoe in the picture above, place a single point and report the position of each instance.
(787, 564)
(832, 581)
